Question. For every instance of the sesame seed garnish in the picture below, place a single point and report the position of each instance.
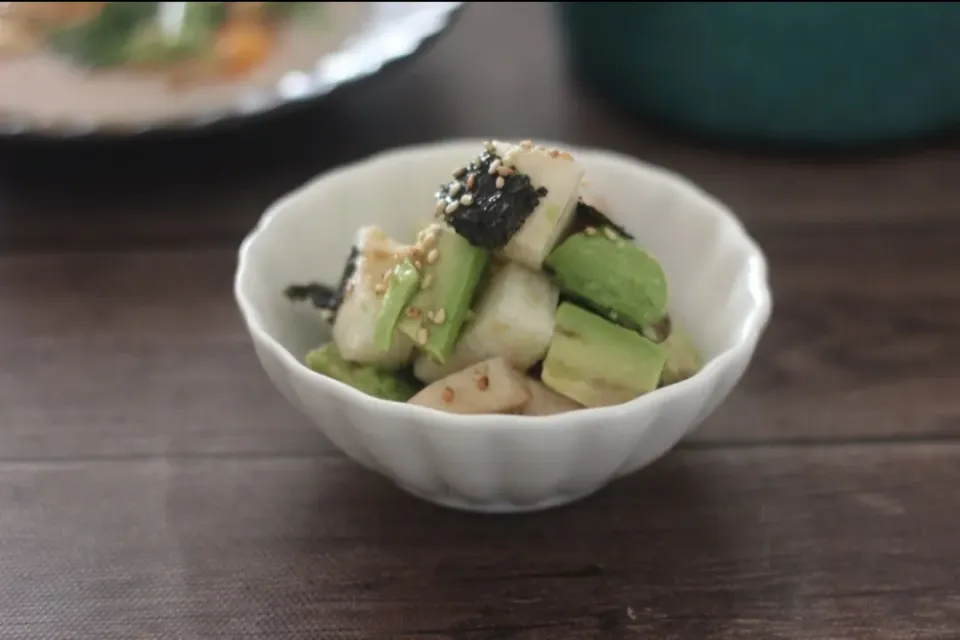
(427, 281)
(500, 182)
(494, 166)
(590, 231)
(326, 314)
(470, 181)
(459, 172)
(413, 312)
(614, 315)
(422, 335)
(454, 189)
(483, 382)
(553, 153)
(440, 205)
(566, 155)
(432, 256)
(447, 394)
(466, 199)
(450, 208)
(610, 233)
(526, 144)
(418, 265)
(489, 146)
(429, 315)
(380, 288)
(440, 315)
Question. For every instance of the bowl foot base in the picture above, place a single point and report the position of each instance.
(464, 504)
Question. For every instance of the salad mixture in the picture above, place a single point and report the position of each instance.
(519, 298)
(186, 40)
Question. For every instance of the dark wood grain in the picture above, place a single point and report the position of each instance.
(154, 485)
(768, 543)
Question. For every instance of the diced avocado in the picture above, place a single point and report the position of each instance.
(382, 384)
(513, 318)
(683, 359)
(403, 284)
(597, 363)
(451, 270)
(612, 276)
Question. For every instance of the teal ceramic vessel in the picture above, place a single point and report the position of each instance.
(806, 73)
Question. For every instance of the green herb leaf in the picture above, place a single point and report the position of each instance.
(102, 41)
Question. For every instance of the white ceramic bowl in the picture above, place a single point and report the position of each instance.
(499, 463)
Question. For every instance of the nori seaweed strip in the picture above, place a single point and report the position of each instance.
(485, 215)
(322, 296)
(656, 333)
(590, 216)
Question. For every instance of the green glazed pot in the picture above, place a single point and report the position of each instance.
(841, 73)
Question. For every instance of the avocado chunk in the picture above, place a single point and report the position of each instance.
(381, 384)
(597, 363)
(605, 272)
(403, 284)
(451, 269)
(683, 359)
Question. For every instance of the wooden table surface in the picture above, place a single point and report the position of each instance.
(154, 485)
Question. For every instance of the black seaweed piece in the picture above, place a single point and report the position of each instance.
(319, 295)
(657, 332)
(605, 312)
(536, 370)
(324, 296)
(494, 214)
(590, 216)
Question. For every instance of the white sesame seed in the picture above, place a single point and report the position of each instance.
(450, 208)
(422, 335)
(500, 182)
(440, 205)
(326, 314)
(430, 316)
(459, 172)
(466, 200)
(489, 146)
(427, 281)
(590, 231)
(380, 288)
(439, 316)
(454, 189)
(566, 155)
(433, 256)
(494, 166)
(526, 144)
(610, 233)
